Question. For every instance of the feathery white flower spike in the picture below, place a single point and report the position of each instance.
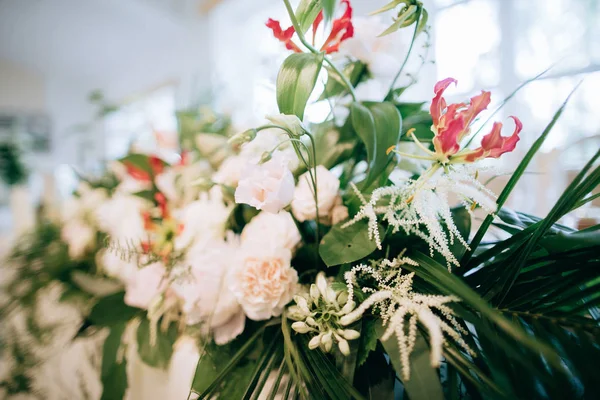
(400, 309)
(421, 208)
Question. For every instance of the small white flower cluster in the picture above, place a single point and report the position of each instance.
(320, 311)
(400, 309)
(424, 203)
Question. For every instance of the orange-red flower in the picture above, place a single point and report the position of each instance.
(451, 123)
(156, 165)
(341, 30)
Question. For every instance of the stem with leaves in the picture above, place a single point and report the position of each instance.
(343, 77)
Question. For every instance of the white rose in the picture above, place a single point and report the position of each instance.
(203, 218)
(144, 285)
(205, 293)
(269, 186)
(79, 236)
(303, 205)
(273, 230)
(264, 282)
(269, 140)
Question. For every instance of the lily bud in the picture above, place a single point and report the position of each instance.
(350, 334)
(242, 137)
(327, 342)
(314, 342)
(344, 347)
(302, 304)
(350, 318)
(311, 321)
(300, 327)
(314, 293)
(266, 156)
(290, 122)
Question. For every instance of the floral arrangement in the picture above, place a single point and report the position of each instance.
(327, 260)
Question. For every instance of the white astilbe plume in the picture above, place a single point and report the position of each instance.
(400, 309)
(422, 208)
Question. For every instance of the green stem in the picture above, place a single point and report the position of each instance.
(414, 156)
(412, 42)
(343, 77)
(314, 151)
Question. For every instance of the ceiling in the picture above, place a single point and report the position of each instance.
(98, 43)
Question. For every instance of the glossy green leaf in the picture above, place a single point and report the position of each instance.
(156, 354)
(296, 81)
(354, 71)
(346, 245)
(328, 9)
(424, 382)
(114, 370)
(307, 12)
(111, 310)
(368, 340)
(379, 125)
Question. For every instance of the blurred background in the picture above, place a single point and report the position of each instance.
(81, 81)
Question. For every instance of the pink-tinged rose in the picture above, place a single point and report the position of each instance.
(268, 186)
(144, 285)
(303, 205)
(339, 212)
(264, 282)
(272, 230)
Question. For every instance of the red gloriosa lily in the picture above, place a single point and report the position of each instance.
(341, 30)
(451, 123)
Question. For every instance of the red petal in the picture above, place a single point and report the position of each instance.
(496, 145)
(283, 36)
(438, 104)
(341, 30)
(477, 105)
(157, 165)
(446, 141)
(137, 173)
(317, 22)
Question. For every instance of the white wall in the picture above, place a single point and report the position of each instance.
(20, 89)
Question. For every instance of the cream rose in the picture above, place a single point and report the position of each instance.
(205, 293)
(264, 282)
(144, 285)
(276, 230)
(268, 186)
(303, 204)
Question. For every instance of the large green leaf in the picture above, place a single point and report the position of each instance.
(346, 245)
(114, 370)
(379, 126)
(328, 9)
(111, 310)
(306, 13)
(424, 382)
(354, 71)
(296, 81)
(157, 354)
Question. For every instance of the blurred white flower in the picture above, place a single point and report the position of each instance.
(303, 205)
(264, 281)
(115, 266)
(230, 171)
(144, 285)
(274, 230)
(203, 218)
(269, 186)
(204, 290)
(121, 218)
(79, 237)
(380, 54)
(165, 182)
